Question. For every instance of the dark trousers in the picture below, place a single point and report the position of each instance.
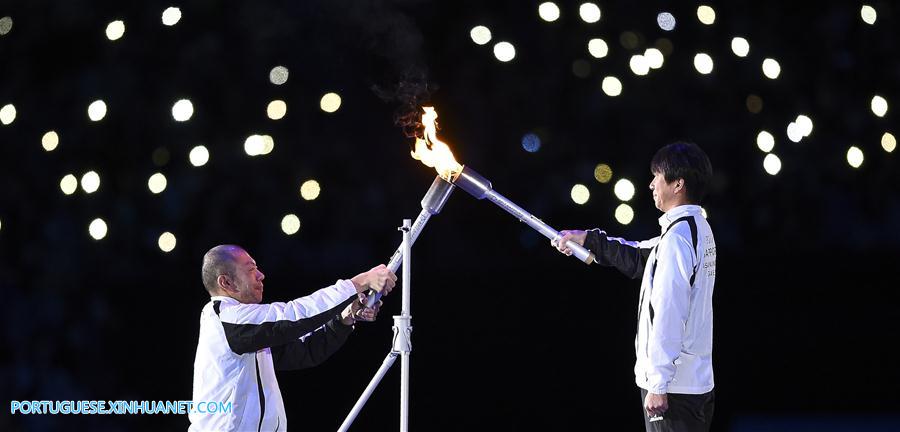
(686, 413)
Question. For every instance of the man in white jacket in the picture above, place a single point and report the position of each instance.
(243, 341)
(678, 271)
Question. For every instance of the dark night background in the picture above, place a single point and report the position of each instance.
(509, 334)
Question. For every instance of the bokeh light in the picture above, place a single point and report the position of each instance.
(868, 14)
(97, 229)
(664, 45)
(90, 181)
(771, 68)
(639, 65)
(888, 142)
(624, 189)
(772, 164)
(171, 16)
(740, 47)
(855, 156)
(276, 109)
(654, 58)
(278, 75)
(157, 183)
(580, 194)
(504, 51)
(805, 124)
(68, 184)
(330, 102)
(531, 142)
(182, 110)
(254, 145)
(6, 25)
(115, 30)
(310, 190)
(706, 14)
(548, 11)
(754, 103)
(665, 21)
(199, 156)
(794, 132)
(624, 214)
(603, 173)
(166, 242)
(161, 156)
(703, 63)
(290, 224)
(598, 48)
(480, 35)
(589, 12)
(7, 114)
(268, 144)
(581, 68)
(629, 40)
(50, 140)
(879, 106)
(765, 141)
(97, 110)
(611, 86)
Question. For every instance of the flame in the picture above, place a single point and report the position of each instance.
(433, 152)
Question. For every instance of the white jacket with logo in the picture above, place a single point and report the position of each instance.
(242, 345)
(675, 318)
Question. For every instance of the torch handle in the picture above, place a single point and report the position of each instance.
(432, 203)
(546, 230)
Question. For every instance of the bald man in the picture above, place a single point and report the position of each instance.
(244, 341)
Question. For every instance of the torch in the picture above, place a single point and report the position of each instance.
(432, 204)
(480, 188)
(434, 153)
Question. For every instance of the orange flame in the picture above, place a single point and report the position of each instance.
(433, 152)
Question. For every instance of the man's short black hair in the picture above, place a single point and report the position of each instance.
(684, 160)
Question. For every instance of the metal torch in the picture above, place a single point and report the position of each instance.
(432, 204)
(480, 188)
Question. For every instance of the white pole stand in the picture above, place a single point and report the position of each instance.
(401, 345)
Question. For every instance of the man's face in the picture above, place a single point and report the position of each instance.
(663, 192)
(248, 280)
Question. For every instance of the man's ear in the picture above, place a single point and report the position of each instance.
(225, 283)
(679, 185)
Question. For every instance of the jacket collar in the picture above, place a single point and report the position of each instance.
(678, 212)
(224, 299)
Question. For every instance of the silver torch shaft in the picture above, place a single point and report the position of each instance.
(481, 188)
(432, 204)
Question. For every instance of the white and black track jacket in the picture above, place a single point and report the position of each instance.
(242, 345)
(675, 317)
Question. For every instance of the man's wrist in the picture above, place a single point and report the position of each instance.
(346, 319)
(659, 390)
(357, 283)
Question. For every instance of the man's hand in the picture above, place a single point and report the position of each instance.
(357, 311)
(379, 279)
(576, 236)
(656, 404)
